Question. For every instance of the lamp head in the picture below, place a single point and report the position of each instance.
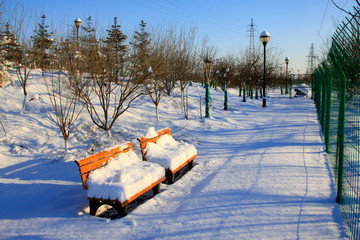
(264, 37)
(77, 22)
(287, 60)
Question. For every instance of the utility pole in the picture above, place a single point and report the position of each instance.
(251, 55)
(311, 60)
(252, 38)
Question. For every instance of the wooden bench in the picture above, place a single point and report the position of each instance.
(167, 154)
(116, 193)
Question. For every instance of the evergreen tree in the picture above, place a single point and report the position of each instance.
(42, 43)
(116, 47)
(89, 49)
(8, 52)
(141, 44)
(67, 55)
(90, 33)
(9, 47)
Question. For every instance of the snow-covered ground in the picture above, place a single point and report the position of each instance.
(261, 173)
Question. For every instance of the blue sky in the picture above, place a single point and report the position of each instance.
(293, 24)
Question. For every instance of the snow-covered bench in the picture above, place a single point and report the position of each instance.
(161, 148)
(117, 177)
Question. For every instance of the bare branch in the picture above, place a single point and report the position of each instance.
(342, 8)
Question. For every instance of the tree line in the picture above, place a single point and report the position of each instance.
(105, 73)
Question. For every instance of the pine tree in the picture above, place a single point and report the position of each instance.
(42, 43)
(89, 49)
(9, 47)
(90, 33)
(141, 45)
(117, 48)
(5, 43)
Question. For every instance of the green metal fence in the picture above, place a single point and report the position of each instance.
(336, 91)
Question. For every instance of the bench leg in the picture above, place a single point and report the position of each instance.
(121, 210)
(170, 177)
(191, 164)
(156, 189)
(94, 205)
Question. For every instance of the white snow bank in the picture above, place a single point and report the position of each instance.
(168, 152)
(123, 177)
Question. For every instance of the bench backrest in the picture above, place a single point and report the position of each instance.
(144, 141)
(97, 160)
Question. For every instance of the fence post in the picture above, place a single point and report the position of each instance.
(312, 86)
(323, 97)
(290, 87)
(340, 157)
(328, 114)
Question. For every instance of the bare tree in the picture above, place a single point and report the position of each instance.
(225, 69)
(64, 98)
(160, 52)
(24, 68)
(250, 69)
(13, 14)
(185, 64)
(107, 96)
(207, 53)
(342, 9)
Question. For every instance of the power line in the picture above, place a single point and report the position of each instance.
(334, 20)
(171, 8)
(322, 21)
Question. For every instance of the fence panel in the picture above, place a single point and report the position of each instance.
(337, 96)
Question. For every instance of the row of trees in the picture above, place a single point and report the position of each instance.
(105, 73)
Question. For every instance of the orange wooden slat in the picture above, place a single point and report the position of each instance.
(144, 141)
(95, 164)
(183, 165)
(97, 156)
(99, 159)
(134, 196)
(164, 131)
(104, 153)
(146, 189)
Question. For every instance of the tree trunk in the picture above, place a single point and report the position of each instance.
(24, 103)
(157, 112)
(186, 106)
(66, 145)
(109, 133)
(200, 107)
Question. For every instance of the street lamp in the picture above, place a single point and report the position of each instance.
(264, 37)
(287, 60)
(207, 61)
(77, 24)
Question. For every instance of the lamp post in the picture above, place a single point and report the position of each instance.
(77, 24)
(264, 37)
(207, 61)
(287, 60)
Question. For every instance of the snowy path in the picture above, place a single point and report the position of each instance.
(260, 174)
(269, 180)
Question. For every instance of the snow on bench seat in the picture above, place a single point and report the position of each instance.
(161, 148)
(123, 177)
(117, 177)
